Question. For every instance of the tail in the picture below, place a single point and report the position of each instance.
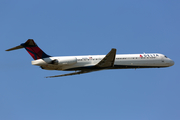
(32, 49)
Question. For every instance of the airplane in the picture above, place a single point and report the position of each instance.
(90, 63)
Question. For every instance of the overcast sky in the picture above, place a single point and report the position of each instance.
(79, 27)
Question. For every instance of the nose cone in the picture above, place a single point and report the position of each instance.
(170, 62)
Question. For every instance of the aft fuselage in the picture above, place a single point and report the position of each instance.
(122, 61)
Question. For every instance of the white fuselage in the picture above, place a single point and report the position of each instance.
(122, 61)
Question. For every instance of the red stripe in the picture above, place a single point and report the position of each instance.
(36, 51)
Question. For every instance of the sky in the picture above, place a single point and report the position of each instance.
(81, 27)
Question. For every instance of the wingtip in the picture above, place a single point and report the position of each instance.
(113, 49)
(47, 77)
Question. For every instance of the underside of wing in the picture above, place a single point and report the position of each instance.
(74, 73)
(108, 60)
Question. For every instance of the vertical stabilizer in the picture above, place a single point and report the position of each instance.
(32, 49)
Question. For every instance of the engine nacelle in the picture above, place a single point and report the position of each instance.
(54, 62)
(67, 60)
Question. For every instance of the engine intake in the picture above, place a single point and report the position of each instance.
(55, 62)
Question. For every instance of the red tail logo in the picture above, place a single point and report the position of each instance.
(34, 50)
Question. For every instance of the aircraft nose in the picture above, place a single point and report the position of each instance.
(171, 62)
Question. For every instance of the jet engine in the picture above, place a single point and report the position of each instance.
(54, 62)
(64, 61)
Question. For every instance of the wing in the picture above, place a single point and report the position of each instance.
(74, 73)
(108, 60)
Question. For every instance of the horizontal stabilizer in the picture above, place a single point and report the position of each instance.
(15, 48)
(32, 49)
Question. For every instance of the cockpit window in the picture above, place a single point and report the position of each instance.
(165, 56)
